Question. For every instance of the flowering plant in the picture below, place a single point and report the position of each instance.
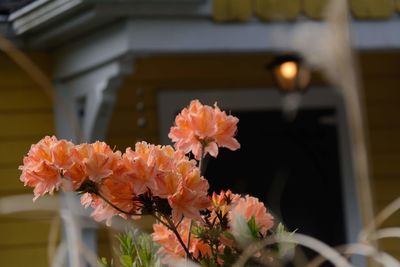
(210, 230)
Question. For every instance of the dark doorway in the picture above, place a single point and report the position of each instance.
(292, 166)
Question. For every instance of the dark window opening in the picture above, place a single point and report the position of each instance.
(293, 167)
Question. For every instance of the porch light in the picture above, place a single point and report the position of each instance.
(290, 73)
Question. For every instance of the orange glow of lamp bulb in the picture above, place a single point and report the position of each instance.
(288, 70)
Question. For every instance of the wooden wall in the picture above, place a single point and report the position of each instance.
(137, 103)
(381, 77)
(26, 116)
(289, 10)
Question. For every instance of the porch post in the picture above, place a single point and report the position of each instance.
(83, 108)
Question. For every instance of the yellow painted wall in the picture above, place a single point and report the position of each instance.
(381, 73)
(26, 115)
(382, 87)
(276, 10)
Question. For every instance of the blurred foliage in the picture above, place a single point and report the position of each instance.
(136, 249)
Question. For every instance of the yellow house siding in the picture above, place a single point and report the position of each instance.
(372, 9)
(242, 10)
(32, 256)
(26, 115)
(277, 9)
(232, 10)
(381, 72)
(314, 8)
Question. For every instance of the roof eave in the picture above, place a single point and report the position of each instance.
(46, 13)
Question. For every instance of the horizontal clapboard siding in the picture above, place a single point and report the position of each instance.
(288, 10)
(23, 125)
(22, 234)
(381, 78)
(10, 183)
(26, 115)
(30, 255)
(23, 99)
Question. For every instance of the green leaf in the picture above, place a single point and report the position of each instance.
(228, 235)
(103, 262)
(208, 262)
(228, 256)
(136, 250)
(253, 227)
(126, 260)
(285, 249)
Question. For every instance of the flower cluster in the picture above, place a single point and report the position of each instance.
(159, 181)
(124, 180)
(219, 231)
(170, 245)
(202, 129)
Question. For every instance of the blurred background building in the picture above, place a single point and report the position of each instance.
(120, 70)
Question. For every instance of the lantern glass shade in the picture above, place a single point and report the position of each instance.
(290, 74)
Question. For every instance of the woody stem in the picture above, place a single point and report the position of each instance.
(115, 207)
(200, 168)
(178, 236)
(170, 224)
(161, 221)
(189, 233)
(201, 159)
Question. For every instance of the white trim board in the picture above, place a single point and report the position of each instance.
(169, 101)
(141, 37)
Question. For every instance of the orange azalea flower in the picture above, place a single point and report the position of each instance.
(102, 161)
(165, 157)
(223, 202)
(117, 191)
(168, 241)
(149, 163)
(76, 173)
(167, 183)
(158, 168)
(248, 207)
(182, 172)
(201, 125)
(120, 193)
(102, 211)
(138, 170)
(44, 177)
(98, 160)
(195, 182)
(188, 203)
(185, 166)
(39, 170)
(61, 154)
(185, 189)
(170, 245)
(227, 128)
(192, 185)
(41, 150)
